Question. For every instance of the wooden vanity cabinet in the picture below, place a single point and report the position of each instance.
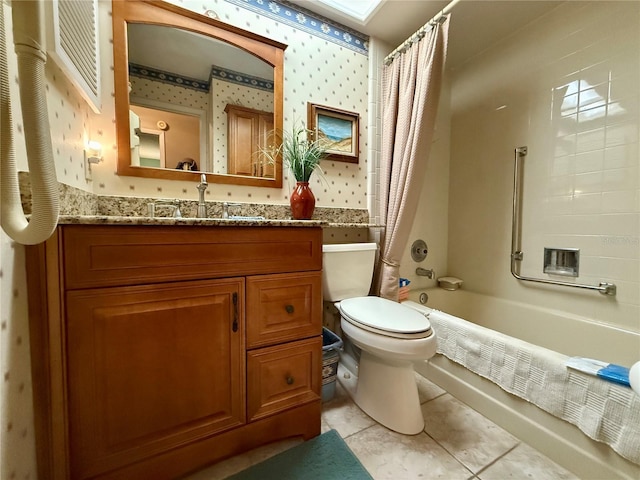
(280, 371)
(157, 350)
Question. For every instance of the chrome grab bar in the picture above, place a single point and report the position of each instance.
(604, 288)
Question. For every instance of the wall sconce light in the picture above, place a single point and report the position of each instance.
(92, 154)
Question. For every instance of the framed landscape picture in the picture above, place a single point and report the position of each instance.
(336, 130)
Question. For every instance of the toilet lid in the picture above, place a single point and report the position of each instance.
(386, 316)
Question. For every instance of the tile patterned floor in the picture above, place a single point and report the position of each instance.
(457, 443)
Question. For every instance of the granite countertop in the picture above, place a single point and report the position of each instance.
(81, 207)
(267, 222)
(130, 220)
(352, 225)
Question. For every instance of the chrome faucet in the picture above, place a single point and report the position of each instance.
(423, 272)
(173, 207)
(202, 187)
(225, 208)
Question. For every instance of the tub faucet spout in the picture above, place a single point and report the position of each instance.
(202, 187)
(423, 272)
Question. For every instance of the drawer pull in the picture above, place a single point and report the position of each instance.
(290, 380)
(235, 312)
(289, 308)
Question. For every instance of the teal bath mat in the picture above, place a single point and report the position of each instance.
(325, 457)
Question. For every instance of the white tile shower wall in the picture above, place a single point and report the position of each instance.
(316, 71)
(378, 50)
(566, 86)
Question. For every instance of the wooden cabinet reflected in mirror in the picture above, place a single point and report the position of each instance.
(248, 132)
(175, 67)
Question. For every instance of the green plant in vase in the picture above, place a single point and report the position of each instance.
(302, 157)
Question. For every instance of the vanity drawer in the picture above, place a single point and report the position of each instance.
(283, 376)
(284, 307)
(116, 255)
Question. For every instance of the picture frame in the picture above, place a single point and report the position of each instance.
(338, 131)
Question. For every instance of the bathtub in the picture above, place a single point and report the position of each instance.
(541, 327)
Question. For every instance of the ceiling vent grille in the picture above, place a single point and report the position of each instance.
(74, 45)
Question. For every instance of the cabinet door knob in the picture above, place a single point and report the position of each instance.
(290, 380)
(289, 308)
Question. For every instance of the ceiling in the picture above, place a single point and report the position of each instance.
(189, 54)
(475, 24)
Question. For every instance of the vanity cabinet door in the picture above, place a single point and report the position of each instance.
(151, 368)
(283, 376)
(283, 307)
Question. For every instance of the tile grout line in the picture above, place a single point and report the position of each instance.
(360, 431)
(437, 396)
(497, 459)
(474, 474)
(448, 452)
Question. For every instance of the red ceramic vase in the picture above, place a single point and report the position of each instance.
(302, 202)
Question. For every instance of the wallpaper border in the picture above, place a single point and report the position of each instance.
(305, 20)
(220, 73)
(168, 77)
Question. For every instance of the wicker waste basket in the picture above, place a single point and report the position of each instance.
(331, 343)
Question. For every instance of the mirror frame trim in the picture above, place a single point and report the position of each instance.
(162, 13)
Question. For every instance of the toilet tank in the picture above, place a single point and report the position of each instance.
(347, 270)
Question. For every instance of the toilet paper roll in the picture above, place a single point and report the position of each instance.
(634, 377)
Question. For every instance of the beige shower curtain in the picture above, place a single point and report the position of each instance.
(410, 93)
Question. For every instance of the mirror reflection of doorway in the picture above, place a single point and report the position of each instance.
(152, 148)
(167, 138)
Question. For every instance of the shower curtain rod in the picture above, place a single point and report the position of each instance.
(439, 17)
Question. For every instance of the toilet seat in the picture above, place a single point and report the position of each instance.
(385, 317)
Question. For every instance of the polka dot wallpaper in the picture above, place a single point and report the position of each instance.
(70, 122)
(17, 460)
(316, 70)
(168, 94)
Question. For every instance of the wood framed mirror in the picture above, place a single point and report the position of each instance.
(169, 31)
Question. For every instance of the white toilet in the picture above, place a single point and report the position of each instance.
(390, 337)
